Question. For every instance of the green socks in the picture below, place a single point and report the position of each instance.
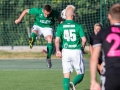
(78, 79)
(49, 50)
(33, 35)
(66, 83)
(49, 45)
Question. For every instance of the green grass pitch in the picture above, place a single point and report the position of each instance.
(34, 75)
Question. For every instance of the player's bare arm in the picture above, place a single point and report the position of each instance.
(58, 53)
(21, 16)
(83, 41)
(93, 68)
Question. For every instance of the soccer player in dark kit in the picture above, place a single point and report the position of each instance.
(109, 40)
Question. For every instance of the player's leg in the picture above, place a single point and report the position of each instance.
(66, 81)
(33, 35)
(48, 34)
(49, 50)
(78, 64)
(78, 78)
(67, 68)
(49, 45)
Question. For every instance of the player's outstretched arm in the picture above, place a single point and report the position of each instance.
(21, 16)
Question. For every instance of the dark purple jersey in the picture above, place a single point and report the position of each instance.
(109, 39)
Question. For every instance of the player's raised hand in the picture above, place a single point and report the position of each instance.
(17, 21)
(58, 54)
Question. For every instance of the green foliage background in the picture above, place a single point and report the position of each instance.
(88, 12)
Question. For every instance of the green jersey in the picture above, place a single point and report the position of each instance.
(70, 34)
(41, 20)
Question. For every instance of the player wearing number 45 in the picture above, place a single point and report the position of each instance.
(70, 34)
(109, 40)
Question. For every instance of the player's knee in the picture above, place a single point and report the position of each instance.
(49, 38)
(35, 31)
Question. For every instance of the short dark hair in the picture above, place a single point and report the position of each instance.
(48, 8)
(115, 11)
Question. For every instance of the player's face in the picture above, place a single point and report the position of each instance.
(97, 29)
(46, 14)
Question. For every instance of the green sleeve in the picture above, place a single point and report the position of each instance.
(81, 33)
(34, 11)
(58, 31)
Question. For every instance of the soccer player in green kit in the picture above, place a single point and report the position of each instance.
(73, 38)
(43, 25)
